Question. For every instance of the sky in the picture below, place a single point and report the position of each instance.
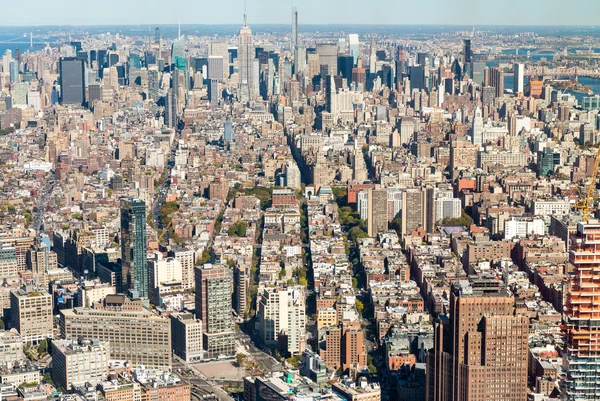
(396, 12)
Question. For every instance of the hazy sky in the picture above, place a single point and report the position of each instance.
(400, 12)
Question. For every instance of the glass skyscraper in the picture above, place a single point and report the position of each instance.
(133, 246)
(72, 84)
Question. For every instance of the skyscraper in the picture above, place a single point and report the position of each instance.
(228, 134)
(414, 211)
(171, 108)
(214, 287)
(583, 315)
(294, 27)
(480, 349)
(519, 71)
(157, 35)
(219, 48)
(72, 81)
(248, 88)
(467, 51)
(133, 246)
(328, 56)
(282, 317)
(377, 212)
(213, 91)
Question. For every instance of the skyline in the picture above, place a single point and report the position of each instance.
(311, 12)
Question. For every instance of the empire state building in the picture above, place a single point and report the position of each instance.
(248, 70)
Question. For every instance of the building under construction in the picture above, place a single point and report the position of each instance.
(583, 315)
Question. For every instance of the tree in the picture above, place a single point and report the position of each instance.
(240, 359)
(354, 282)
(43, 346)
(359, 306)
(238, 229)
(48, 379)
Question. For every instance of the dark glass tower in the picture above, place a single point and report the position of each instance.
(72, 81)
(133, 246)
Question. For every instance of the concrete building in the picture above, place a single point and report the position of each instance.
(414, 202)
(214, 286)
(521, 227)
(11, 347)
(550, 207)
(79, 361)
(8, 262)
(186, 332)
(31, 313)
(133, 246)
(480, 349)
(135, 334)
(283, 318)
(163, 274)
(377, 219)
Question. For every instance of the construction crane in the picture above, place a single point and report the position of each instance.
(585, 202)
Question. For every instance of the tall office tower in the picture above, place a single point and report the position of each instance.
(328, 53)
(299, 59)
(283, 318)
(72, 81)
(178, 57)
(14, 71)
(94, 93)
(171, 108)
(215, 68)
(213, 91)
(416, 75)
(31, 313)
(373, 58)
(133, 246)
(477, 72)
(496, 79)
(477, 128)
(377, 212)
(157, 35)
(519, 72)
(153, 83)
(467, 53)
(214, 286)
(294, 27)
(228, 134)
(40, 260)
(354, 46)
(135, 334)
(583, 315)
(248, 89)
(480, 350)
(345, 66)
(219, 48)
(414, 210)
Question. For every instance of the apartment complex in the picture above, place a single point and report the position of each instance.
(31, 313)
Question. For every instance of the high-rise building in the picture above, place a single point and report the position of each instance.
(215, 68)
(171, 108)
(186, 332)
(248, 87)
(377, 212)
(72, 80)
(31, 313)
(214, 287)
(135, 334)
(213, 91)
(14, 71)
(133, 246)
(467, 53)
(294, 27)
(583, 315)
(519, 72)
(157, 35)
(495, 78)
(79, 361)
(477, 128)
(328, 54)
(228, 134)
(480, 349)
(414, 211)
(283, 318)
(219, 48)
(8, 262)
(416, 75)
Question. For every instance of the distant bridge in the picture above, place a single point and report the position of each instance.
(547, 50)
(33, 41)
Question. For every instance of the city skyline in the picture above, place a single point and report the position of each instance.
(509, 13)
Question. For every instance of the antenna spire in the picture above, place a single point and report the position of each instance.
(179, 31)
(245, 15)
